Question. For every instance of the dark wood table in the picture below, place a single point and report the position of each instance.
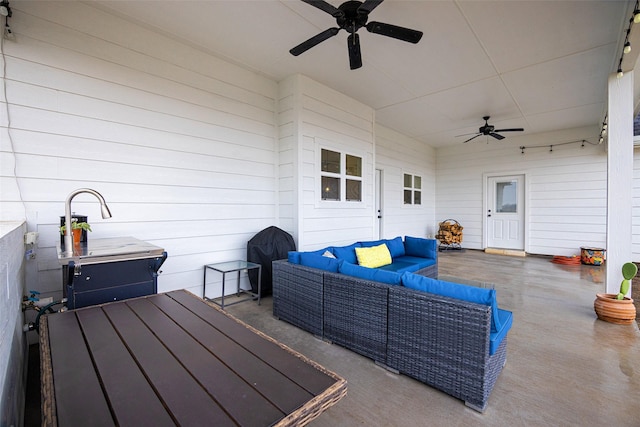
(174, 359)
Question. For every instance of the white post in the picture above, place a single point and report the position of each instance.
(619, 178)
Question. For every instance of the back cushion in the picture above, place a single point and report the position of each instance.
(417, 246)
(373, 274)
(456, 290)
(346, 253)
(314, 260)
(396, 247)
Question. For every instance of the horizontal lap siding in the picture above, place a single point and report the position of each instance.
(396, 155)
(565, 190)
(180, 144)
(332, 120)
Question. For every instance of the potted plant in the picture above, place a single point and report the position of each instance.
(616, 308)
(76, 228)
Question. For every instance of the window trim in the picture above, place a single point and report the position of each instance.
(413, 189)
(342, 203)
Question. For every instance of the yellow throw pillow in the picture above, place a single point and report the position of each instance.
(375, 256)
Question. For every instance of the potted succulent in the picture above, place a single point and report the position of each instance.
(76, 228)
(616, 308)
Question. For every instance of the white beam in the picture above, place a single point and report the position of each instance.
(619, 177)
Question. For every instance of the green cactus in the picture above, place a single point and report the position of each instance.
(629, 271)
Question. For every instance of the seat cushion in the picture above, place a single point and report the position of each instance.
(456, 290)
(495, 338)
(374, 256)
(373, 274)
(414, 263)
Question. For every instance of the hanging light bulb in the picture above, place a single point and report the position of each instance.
(636, 16)
(620, 73)
(627, 47)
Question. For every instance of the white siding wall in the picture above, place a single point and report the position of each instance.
(180, 144)
(565, 189)
(396, 155)
(329, 119)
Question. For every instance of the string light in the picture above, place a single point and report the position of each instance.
(582, 143)
(626, 48)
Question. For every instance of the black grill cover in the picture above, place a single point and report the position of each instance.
(268, 245)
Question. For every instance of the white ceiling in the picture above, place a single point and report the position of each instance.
(540, 65)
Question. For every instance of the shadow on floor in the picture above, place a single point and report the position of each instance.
(32, 414)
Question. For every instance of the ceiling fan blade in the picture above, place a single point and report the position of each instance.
(326, 7)
(368, 6)
(473, 137)
(465, 134)
(355, 56)
(317, 39)
(496, 136)
(509, 130)
(400, 33)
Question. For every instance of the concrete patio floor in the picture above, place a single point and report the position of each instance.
(564, 367)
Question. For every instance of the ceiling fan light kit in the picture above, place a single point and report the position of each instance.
(351, 16)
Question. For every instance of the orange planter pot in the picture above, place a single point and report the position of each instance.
(77, 235)
(610, 309)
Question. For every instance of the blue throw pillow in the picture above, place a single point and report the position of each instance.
(347, 253)
(373, 274)
(456, 290)
(315, 260)
(417, 246)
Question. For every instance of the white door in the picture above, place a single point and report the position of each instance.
(505, 212)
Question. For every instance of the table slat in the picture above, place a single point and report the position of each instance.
(188, 402)
(277, 387)
(303, 374)
(239, 399)
(79, 396)
(128, 390)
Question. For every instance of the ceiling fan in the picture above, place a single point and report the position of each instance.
(490, 130)
(351, 16)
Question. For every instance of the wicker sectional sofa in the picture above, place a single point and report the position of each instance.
(451, 344)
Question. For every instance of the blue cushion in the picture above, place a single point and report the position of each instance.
(347, 253)
(395, 246)
(419, 263)
(423, 248)
(315, 260)
(495, 338)
(293, 257)
(374, 274)
(456, 290)
(399, 266)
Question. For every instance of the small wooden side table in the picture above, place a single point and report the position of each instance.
(236, 266)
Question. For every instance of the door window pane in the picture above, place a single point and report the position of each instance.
(506, 197)
(408, 182)
(417, 182)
